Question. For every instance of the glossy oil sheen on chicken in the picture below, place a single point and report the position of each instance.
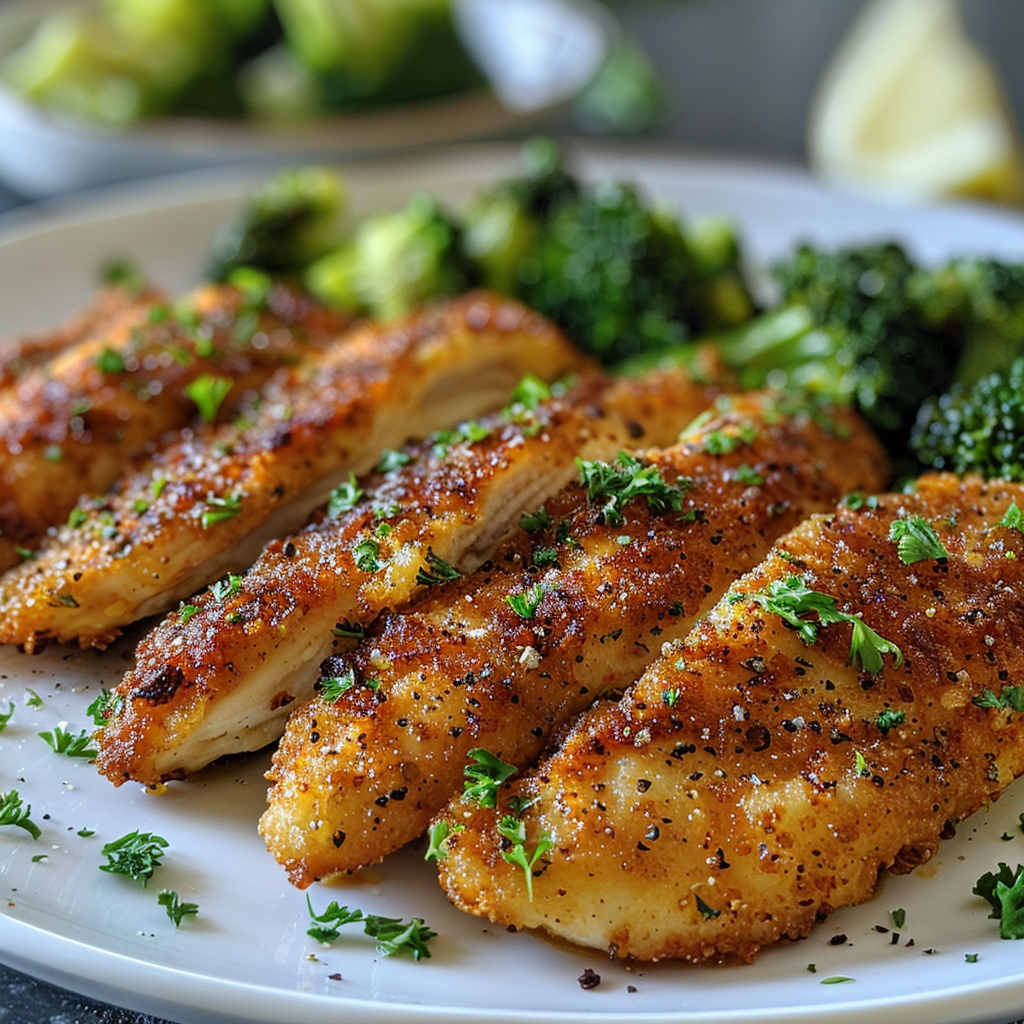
(71, 425)
(205, 504)
(763, 772)
(579, 602)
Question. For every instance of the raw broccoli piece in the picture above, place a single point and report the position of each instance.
(395, 262)
(848, 328)
(978, 429)
(983, 299)
(290, 222)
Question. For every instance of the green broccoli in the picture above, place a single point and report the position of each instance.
(618, 275)
(982, 299)
(978, 429)
(290, 222)
(848, 328)
(395, 262)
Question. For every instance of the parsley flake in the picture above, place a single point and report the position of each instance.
(1004, 892)
(531, 522)
(526, 603)
(14, 811)
(344, 497)
(104, 707)
(791, 600)
(391, 459)
(177, 911)
(226, 588)
(367, 555)
(513, 830)
(627, 478)
(1013, 519)
(887, 720)
(916, 540)
(437, 836)
(485, 778)
(109, 362)
(136, 855)
(5, 716)
(1011, 698)
(219, 510)
(208, 392)
(392, 934)
(63, 742)
(436, 571)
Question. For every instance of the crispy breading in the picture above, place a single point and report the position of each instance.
(593, 598)
(754, 780)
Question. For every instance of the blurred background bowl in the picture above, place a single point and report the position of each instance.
(536, 55)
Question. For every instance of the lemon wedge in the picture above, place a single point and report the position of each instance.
(910, 106)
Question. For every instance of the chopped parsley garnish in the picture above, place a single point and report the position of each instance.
(1003, 890)
(898, 917)
(136, 855)
(718, 442)
(437, 835)
(77, 517)
(513, 830)
(916, 540)
(391, 459)
(617, 483)
(14, 811)
(226, 588)
(393, 935)
(110, 362)
(344, 497)
(177, 911)
(485, 778)
(543, 557)
(332, 688)
(526, 603)
(860, 765)
(208, 392)
(367, 555)
(63, 742)
(469, 433)
(104, 707)
(32, 699)
(748, 476)
(971, 958)
(857, 501)
(791, 600)
(1010, 698)
(531, 522)
(887, 720)
(1013, 519)
(670, 697)
(708, 913)
(437, 570)
(219, 509)
(186, 611)
(526, 398)
(5, 716)
(836, 979)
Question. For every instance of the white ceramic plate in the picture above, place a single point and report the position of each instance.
(537, 55)
(246, 957)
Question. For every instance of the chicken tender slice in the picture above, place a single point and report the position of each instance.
(21, 353)
(579, 602)
(764, 772)
(221, 675)
(72, 425)
(207, 503)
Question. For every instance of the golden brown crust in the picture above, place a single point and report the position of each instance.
(765, 784)
(71, 425)
(205, 503)
(356, 778)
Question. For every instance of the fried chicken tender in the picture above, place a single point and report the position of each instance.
(764, 771)
(579, 602)
(207, 502)
(72, 425)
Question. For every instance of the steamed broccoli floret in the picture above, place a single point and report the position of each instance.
(290, 222)
(848, 329)
(978, 429)
(395, 262)
(983, 299)
(618, 275)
